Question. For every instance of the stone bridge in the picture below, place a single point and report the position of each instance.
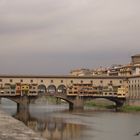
(75, 102)
(74, 90)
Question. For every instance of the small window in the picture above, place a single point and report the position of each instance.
(91, 82)
(120, 81)
(21, 80)
(41, 81)
(61, 81)
(0, 80)
(11, 80)
(71, 81)
(51, 81)
(81, 81)
(31, 81)
(101, 81)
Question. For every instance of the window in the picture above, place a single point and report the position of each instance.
(91, 82)
(31, 81)
(120, 81)
(41, 81)
(11, 80)
(21, 80)
(0, 80)
(81, 81)
(71, 81)
(61, 81)
(101, 81)
(51, 81)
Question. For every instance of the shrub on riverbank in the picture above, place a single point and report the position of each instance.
(106, 105)
(127, 108)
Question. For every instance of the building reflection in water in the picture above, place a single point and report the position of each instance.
(51, 128)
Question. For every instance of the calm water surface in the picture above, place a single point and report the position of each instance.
(57, 123)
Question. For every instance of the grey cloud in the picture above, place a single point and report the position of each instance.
(60, 35)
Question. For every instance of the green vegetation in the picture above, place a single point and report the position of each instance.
(127, 108)
(105, 105)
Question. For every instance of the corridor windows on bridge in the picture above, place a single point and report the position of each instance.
(111, 83)
(51, 89)
(42, 89)
(71, 81)
(101, 81)
(61, 89)
(51, 81)
(91, 82)
(0, 80)
(41, 81)
(11, 80)
(21, 80)
(62, 81)
(31, 81)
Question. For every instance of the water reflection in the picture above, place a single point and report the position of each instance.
(50, 127)
(54, 123)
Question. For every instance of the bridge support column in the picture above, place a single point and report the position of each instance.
(22, 107)
(78, 103)
(23, 104)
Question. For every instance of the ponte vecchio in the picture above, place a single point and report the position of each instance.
(22, 89)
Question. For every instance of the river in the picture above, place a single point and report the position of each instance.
(56, 122)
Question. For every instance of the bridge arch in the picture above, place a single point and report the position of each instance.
(42, 89)
(118, 102)
(11, 99)
(51, 89)
(62, 89)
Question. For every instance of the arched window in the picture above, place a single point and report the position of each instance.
(42, 89)
(61, 89)
(51, 89)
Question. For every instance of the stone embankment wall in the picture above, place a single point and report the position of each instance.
(12, 129)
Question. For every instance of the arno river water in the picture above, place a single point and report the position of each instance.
(56, 122)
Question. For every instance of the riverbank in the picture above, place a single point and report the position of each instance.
(108, 106)
(12, 129)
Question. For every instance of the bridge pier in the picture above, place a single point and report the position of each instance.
(23, 104)
(22, 115)
(78, 103)
(22, 107)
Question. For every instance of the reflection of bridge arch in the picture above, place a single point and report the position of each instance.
(42, 89)
(41, 126)
(51, 125)
(61, 126)
(51, 89)
(62, 89)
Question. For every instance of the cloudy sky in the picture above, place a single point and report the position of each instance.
(55, 36)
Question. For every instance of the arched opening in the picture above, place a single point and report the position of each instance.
(101, 102)
(51, 89)
(42, 89)
(62, 89)
(10, 106)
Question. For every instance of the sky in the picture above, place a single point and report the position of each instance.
(45, 37)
